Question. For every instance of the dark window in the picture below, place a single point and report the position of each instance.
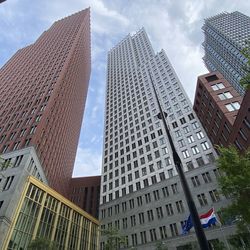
(211, 78)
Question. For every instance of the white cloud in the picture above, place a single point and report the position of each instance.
(87, 162)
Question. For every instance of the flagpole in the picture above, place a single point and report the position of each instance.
(201, 237)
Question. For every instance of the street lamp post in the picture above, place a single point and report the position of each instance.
(177, 161)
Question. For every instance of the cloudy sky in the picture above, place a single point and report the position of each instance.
(172, 25)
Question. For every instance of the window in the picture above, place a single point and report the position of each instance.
(137, 174)
(225, 95)
(177, 133)
(110, 211)
(153, 179)
(191, 116)
(205, 145)
(159, 164)
(182, 120)
(139, 201)
(218, 86)
(195, 150)
(151, 168)
(173, 229)
(195, 125)
(215, 197)
(8, 182)
(181, 143)
(145, 183)
(124, 223)
(170, 173)
(134, 239)
(190, 165)
(169, 209)
(156, 195)
(163, 232)
(174, 188)
(165, 191)
(233, 106)
(202, 199)
(185, 154)
(159, 212)
(131, 203)
(206, 177)
(138, 185)
(143, 237)
(167, 161)
(210, 157)
(132, 220)
(200, 161)
(124, 206)
(179, 206)
(174, 124)
(190, 139)
(165, 150)
(153, 235)
(148, 197)
(117, 208)
(157, 154)
(195, 180)
(150, 215)
(186, 129)
(141, 218)
(200, 135)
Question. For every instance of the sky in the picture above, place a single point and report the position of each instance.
(172, 25)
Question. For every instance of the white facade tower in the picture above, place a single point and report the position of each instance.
(141, 194)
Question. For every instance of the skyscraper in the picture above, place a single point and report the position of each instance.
(43, 92)
(141, 194)
(225, 37)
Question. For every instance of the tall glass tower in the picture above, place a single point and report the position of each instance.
(141, 194)
(225, 37)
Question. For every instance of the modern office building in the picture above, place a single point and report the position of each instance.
(141, 193)
(43, 92)
(85, 193)
(30, 209)
(225, 37)
(222, 111)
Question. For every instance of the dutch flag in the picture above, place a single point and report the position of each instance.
(208, 219)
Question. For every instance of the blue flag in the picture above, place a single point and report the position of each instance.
(187, 226)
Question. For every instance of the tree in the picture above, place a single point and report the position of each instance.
(217, 245)
(245, 81)
(113, 239)
(235, 183)
(41, 244)
(160, 246)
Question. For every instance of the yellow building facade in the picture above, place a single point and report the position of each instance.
(44, 213)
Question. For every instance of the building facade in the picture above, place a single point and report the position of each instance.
(44, 213)
(223, 112)
(225, 37)
(141, 194)
(85, 193)
(43, 91)
(216, 104)
(241, 129)
(15, 167)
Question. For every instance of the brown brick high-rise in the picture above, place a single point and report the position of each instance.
(43, 92)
